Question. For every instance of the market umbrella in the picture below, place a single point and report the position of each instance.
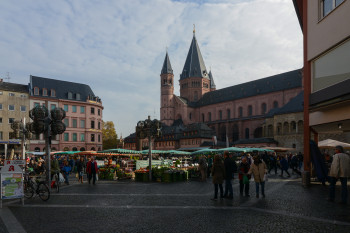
(121, 151)
(235, 149)
(204, 151)
(330, 143)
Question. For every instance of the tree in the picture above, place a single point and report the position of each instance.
(109, 135)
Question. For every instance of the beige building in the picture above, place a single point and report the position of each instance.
(14, 106)
(325, 26)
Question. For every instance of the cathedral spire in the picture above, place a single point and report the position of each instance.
(166, 69)
(194, 65)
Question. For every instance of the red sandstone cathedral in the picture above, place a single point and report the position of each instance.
(235, 115)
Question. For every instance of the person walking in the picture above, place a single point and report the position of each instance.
(92, 170)
(340, 169)
(258, 169)
(228, 163)
(244, 177)
(284, 165)
(210, 164)
(273, 163)
(80, 169)
(203, 168)
(66, 170)
(218, 174)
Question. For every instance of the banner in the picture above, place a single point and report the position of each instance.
(11, 185)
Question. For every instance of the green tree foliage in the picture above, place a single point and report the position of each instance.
(109, 135)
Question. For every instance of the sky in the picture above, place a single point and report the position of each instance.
(118, 47)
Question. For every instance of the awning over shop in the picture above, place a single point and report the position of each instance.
(330, 143)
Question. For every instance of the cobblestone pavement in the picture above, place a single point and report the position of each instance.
(127, 206)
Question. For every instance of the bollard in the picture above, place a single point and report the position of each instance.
(306, 179)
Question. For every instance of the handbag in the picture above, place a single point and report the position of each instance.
(245, 179)
(61, 178)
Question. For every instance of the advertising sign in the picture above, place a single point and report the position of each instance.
(11, 182)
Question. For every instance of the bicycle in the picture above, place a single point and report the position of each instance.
(32, 185)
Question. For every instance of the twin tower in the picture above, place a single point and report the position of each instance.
(195, 81)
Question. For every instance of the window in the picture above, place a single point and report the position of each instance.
(65, 107)
(99, 125)
(1, 135)
(190, 116)
(75, 138)
(77, 96)
(220, 115)
(92, 124)
(228, 114)
(328, 5)
(70, 95)
(66, 122)
(53, 106)
(0, 92)
(0, 120)
(99, 138)
(92, 137)
(36, 104)
(275, 104)
(11, 120)
(92, 110)
(0, 106)
(209, 116)
(53, 93)
(240, 112)
(247, 133)
(74, 123)
(250, 110)
(82, 137)
(11, 94)
(82, 123)
(36, 91)
(263, 108)
(11, 107)
(23, 96)
(203, 117)
(44, 92)
(66, 137)
(23, 108)
(82, 109)
(74, 108)
(99, 112)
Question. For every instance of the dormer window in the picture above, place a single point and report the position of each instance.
(44, 92)
(36, 90)
(77, 96)
(70, 95)
(53, 93)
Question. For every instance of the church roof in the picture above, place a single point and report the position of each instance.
(294, 105)
(194, 65)
(166, 69)
(211, 78)
(279, 82)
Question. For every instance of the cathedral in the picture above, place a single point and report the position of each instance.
(235, 115)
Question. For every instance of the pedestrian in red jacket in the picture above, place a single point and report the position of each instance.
(91, 170)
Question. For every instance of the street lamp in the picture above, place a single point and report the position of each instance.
(49, 123)
(148, 129)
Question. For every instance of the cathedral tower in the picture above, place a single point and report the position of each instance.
(194, 79)
(167, 113)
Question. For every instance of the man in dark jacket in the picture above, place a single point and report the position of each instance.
(228, 176)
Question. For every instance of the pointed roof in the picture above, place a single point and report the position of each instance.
(212, 83)
(194, 65)
(166, 65)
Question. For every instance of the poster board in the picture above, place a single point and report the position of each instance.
(11, 182)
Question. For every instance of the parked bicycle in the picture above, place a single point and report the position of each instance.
(34, 185)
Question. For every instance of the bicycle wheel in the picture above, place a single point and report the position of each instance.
(28, 190)
(43, 192)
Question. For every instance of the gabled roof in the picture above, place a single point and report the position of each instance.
(194, 65)
(62, 88)
(279, 82)
(166, 69)
(5, 86)
(211, 78)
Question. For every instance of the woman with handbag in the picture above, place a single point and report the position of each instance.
(244, 177)
(259, 170)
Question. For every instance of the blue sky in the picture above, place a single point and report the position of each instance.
(118, 47)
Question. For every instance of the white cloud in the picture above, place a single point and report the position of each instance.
(118, 47)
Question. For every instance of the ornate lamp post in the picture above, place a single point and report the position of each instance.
(148, 129)
(49, 123)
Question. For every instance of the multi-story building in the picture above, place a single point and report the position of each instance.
(14, 106)
(83, 114)
(325, 26)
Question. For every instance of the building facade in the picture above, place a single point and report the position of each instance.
(14, 106)
(83, 114)
(326, 68)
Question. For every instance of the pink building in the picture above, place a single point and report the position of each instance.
(83, 114)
